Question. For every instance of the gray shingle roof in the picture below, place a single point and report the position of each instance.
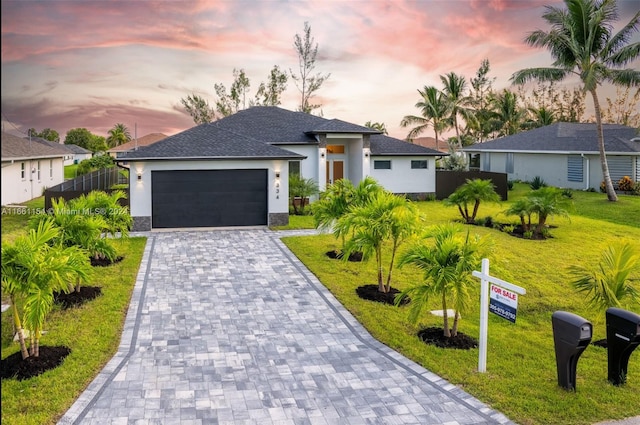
(256, 132)
(77, 149)
(564, 137)
(16, 148)
(209, 141)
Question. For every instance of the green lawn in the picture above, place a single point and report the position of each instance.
(70, 171)
(521, 376)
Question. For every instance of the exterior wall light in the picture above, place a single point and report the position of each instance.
(139, 176)
(277, 174)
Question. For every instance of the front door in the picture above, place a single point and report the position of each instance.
(335, 170)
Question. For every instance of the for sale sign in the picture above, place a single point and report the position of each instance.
(503, 302)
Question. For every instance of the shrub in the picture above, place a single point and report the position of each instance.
(508, 228)
(537, 183)
(636, 189)
(625, 184)
(567, 193)
(603, 188)
(96, 163)
(510, 184)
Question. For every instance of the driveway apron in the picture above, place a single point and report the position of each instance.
(229, 327)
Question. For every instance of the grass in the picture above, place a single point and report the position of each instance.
(521, 378)
(92, 331)
(70, 171)
(297, 222)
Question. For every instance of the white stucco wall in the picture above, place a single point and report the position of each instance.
(15, 189)
(401, 178)
(140, 190)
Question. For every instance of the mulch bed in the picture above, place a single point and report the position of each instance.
(104, 262)
(337, 255)
(14, 367)
(76, 298)
(371, 293)
(435, 336)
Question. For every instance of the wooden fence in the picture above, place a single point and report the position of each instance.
(103, 179)
(448, 181)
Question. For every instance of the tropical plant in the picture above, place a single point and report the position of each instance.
(435, 112)
(523, 209)
(610, 282)
(472, 192)
(455, 87)
(301, 189)
(307, 83)
(97, 162)
(380, 126)
(625, 184)
(384, 218)
(537, 183)
(198, 108)
(581, 43)
(509, 117)
(447, 264)
(107, 205)
(33, 267)
(118, 135)
(546, 202)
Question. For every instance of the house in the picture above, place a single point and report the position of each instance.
(77, 154)
(235, 171)
(562, 154)
(29, 167)
(134, 145)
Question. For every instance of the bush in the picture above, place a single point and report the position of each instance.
(636, 189)
(625, 184)
(567, 193)
(510, 184)
(98, 162)
(537, 183)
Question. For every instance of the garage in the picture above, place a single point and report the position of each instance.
(208, 198)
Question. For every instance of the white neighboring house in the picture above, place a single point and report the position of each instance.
(76, 155)
(235, 171)
(562, 154)
(29, 167)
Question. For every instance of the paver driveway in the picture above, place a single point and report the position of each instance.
(228, 327)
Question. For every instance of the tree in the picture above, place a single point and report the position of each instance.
(235, 100)
(509, 117)
(46, 134)
(546, 202)
(581, 43)
(269, 94)
(566, 105)
(480, 100)
(435, 112)
(472, 192)
(609, 283)
(118, 135)
(199, 109)
(447, 264)
(540, 117)
(301, 189)
(79, 136)
(307, 83)
(380, 126)
(384, 218)
(455, 87)
(623, 110)
(32, 269)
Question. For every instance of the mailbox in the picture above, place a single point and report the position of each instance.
(571, 336)
(623, 336)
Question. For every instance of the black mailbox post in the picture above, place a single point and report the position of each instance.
(623, 336)
(571, 336)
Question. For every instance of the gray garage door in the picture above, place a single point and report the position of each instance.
(208, 198)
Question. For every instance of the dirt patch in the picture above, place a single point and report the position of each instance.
(76, 298)
(104, 262)
(14, 367)
(371, 293)
(435, 336)
(338, 255)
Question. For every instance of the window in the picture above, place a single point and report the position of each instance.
(335, 148)
(382, 165)
(574, 168)
(51, 168)
(509, 164)
(22, 171)
(294, 168)
(421, 164)
(38, 170)
(474, 161)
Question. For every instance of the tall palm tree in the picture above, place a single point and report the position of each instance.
(435, 112)
(581, 43)
(118, 135)
(509, 116)
(454, 89)
(541, 117)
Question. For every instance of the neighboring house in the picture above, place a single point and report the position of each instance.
(134, 145)
(77, 154)
(430, 142)
(29, 167)
(235, 171)
(562, 154)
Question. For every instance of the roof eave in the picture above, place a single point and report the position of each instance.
(207, 158)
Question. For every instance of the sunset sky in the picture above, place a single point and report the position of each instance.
(93, 64)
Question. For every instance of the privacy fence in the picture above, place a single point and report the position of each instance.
(448, 181)
(104, 179)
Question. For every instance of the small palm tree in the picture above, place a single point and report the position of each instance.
(301, 188)
(386, 217)
(33, 267)
(447, 264)
(380, 126)
(610, 283)
(107, 205)
(472, 192)
(523, 209)
(546, 202)
(581, 43)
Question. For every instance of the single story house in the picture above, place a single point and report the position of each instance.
(562, 154)
(77, 154)
(235, 171)
(29, 167)
(135, 144)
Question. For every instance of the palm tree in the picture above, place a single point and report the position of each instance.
(435, 112)
(546, 202)
(472, 192)
(509, 117)
(33, 267)
(118, 135)
(301, 188)
(541, 117)
(609, 283)
(386, 217)
(380, 126)
(581, 43)
(523, 209)
(455, 87)
(447, 264)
